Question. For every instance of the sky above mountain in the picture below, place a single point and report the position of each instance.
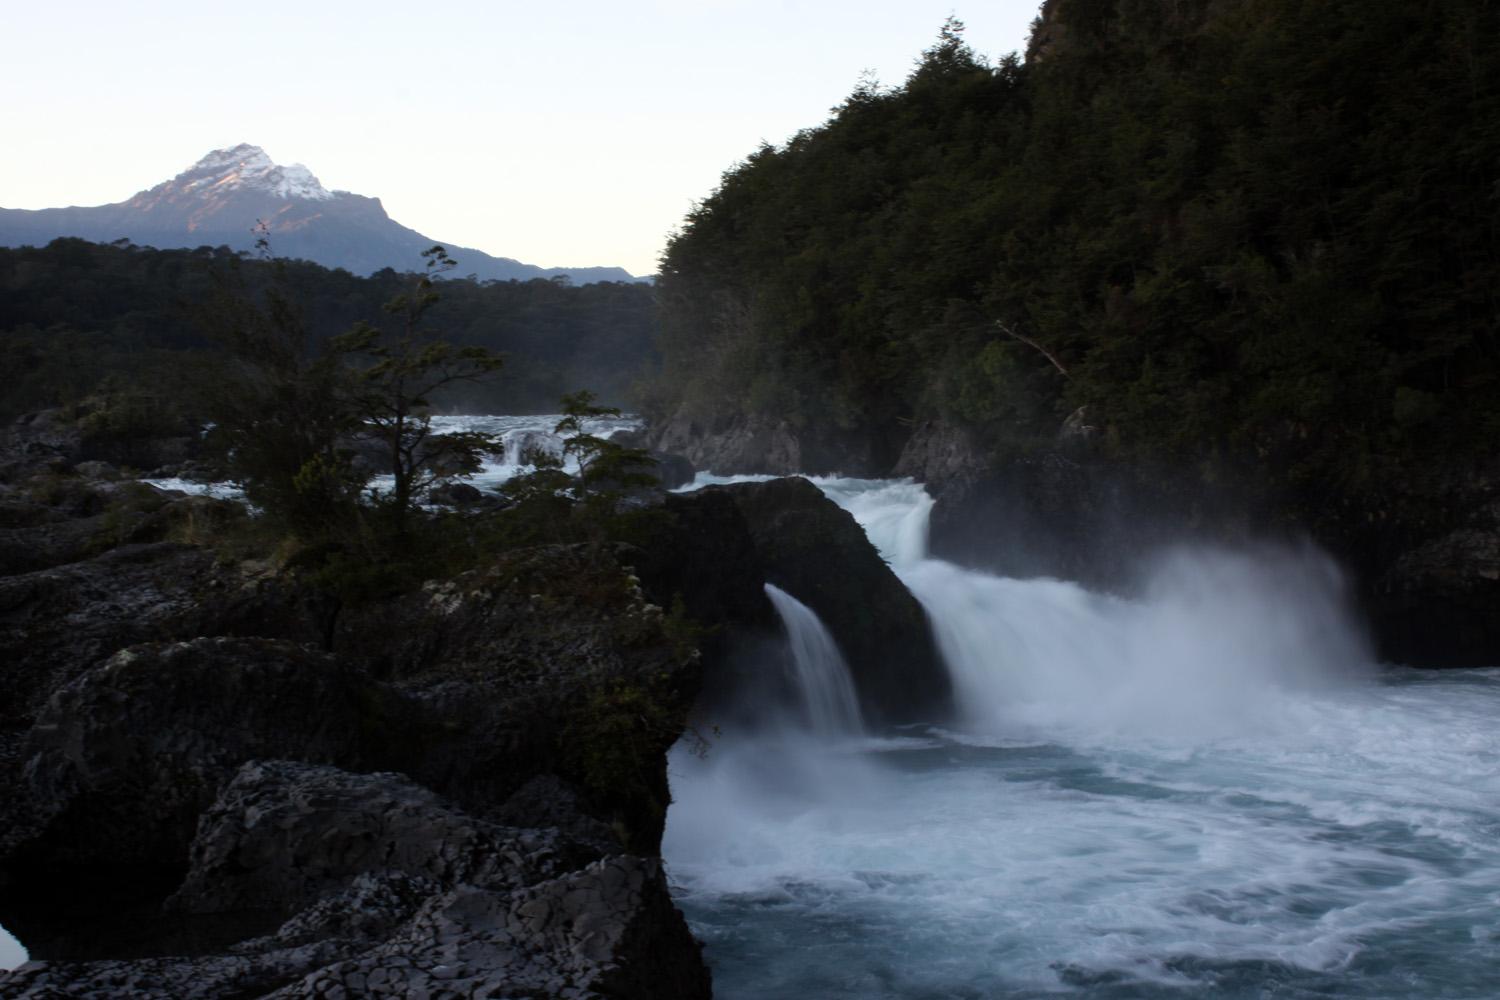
(572, 135)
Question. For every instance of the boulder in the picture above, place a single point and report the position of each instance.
(815, 551)
(122, 760)
(105, 797)
(397, 893)
(34, 441)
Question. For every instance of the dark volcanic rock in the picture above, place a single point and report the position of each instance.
(1068, 514)
(550, 661)
(112, 778)
(938, 452)
(704, 558)
(815, 551)
(59, 519)
(283, 835)
(45, 439)
(56, 623)
(122, 761)
(672, 471)
(739, 444)
(1039, 515)
(399, 894)
(1438, 602)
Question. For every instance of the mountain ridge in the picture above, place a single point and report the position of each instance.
(223, 198)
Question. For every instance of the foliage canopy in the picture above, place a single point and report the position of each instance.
(1254, 236)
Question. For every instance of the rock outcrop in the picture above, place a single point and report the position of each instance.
(188, 810)
(550, 661)
(762, 445)
(219, 784)
(57, 623)
(815, 551)
(379, 888)
(1429, 554)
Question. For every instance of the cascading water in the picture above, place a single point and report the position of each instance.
(11, 952)
(1204, 791)
(822, 675)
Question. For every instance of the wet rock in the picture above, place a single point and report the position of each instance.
(34, 441)
(815, 551)
(97, 470)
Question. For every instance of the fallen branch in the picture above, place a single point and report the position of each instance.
(1034, 345)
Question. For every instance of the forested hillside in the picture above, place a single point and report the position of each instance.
(1252, 238)
(73, 314)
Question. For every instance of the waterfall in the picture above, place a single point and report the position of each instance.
(821, 673)
(518, 442)
(1197, 788)
(1216, 640)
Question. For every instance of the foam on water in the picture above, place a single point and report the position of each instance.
(516, 434)
(1207, 791)
(11, 952)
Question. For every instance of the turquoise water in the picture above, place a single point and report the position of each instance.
(1208, 789)
(1353, 854)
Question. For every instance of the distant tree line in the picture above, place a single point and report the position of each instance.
(75, 316)
(1254, 237)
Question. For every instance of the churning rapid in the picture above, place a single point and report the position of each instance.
(1206, 791)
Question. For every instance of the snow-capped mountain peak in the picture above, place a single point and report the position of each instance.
(232, 196)
(247, 166)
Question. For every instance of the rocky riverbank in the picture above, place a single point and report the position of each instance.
(219, 782)
(1423, 552)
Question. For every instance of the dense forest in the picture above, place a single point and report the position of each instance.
(1251, 238)
(77, 316)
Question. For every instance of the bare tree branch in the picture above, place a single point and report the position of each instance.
(1033, 345)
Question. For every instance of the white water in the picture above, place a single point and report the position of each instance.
(1208, 791)
(822, 675)
(515, 436)
(11, 952)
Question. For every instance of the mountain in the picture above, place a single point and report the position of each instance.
(219, 200)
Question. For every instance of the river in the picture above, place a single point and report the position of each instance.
(1210, 790)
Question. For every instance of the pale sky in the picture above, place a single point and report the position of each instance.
(560, 135)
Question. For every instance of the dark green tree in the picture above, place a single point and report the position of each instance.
(603, 465)
(278, 405)
(390, 396)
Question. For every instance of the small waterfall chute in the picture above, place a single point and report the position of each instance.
(518, 443)
(822, 676)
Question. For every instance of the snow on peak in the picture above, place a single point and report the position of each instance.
(247, 166)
